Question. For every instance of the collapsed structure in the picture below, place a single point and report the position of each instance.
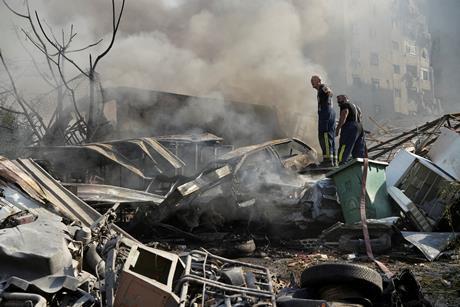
(93, 204)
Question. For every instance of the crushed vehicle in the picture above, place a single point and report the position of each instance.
(256, 187)
(264, 181)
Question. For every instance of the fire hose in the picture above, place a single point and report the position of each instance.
(362, 208)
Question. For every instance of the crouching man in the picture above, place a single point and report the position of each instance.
(351, 131)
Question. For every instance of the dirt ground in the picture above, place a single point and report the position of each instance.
(440, 280)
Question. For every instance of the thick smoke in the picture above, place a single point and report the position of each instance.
(257, 51)
(247, 51)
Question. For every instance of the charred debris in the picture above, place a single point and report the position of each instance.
(159, 220)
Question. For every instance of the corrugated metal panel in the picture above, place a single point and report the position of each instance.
(63, 200)
(109, 152)
(146, 143)
(190, 138)
(11, 172)
(109, 193)
(165, 153)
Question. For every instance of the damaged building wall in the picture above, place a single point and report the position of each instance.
(151, 113)
(379, 53)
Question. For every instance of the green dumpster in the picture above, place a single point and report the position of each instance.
(348, 179)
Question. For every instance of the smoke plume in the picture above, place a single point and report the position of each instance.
(247, 51)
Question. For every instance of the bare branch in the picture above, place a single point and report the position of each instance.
(28, 36)
(42, 46)
(44, 33)
(20, 101)
(114, 32)
(42, 43)
(61, 85)
(71, 90)
(44, 77)
(84, 48)
(71, 37)
(52, 34)
(70, 40)
(57, 47)
(48, 56)
(13, 11)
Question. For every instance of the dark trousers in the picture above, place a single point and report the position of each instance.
(326, 134)
(359, 150)
(349, 143)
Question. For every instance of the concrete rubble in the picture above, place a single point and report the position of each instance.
(165, 221)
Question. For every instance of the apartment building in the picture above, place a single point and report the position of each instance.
(387, 57)
(378, 53)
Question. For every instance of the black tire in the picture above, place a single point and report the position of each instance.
(364, 278)
(353, 244)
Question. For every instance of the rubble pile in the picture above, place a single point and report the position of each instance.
(159, 221)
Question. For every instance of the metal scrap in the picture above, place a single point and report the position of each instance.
(444, 152)
(422, 137)
(112, 194)
(431, 244)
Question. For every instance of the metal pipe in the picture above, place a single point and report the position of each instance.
(183, 294)
(249, 265)
(263, 293)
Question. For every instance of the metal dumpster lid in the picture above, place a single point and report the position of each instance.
(352, 162)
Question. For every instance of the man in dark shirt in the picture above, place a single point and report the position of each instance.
(326, 121)
(351, 131)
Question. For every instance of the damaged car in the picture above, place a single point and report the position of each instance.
(256, 187)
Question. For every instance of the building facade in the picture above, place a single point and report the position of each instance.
(378, 54)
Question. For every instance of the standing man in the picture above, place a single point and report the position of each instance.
(326, 121)
(350, 129)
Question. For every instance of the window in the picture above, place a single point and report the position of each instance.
(424, 54)
(355, 61)
(396, 69)
(257, 166)
(355, 54)
(398, 92)
(355, 64)
(374, 59)
(289, 149)
(395, 45)
(259, 159)
(411, 70)
(357, 80)
(425, 74)
(411, 49)
(375, 84)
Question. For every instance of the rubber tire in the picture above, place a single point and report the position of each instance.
(379, 245)
(363, 277)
